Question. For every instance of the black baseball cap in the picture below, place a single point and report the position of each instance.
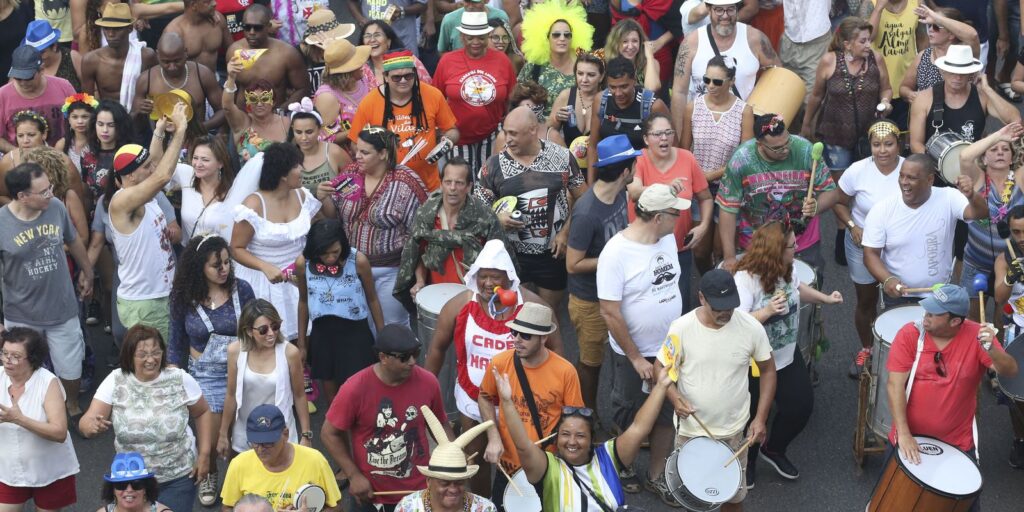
(719, 289)
(25, 63)
(396, 338)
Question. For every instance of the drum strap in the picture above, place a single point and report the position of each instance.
(524, 383)
(587, 490)
(714, 48)
(938, 105)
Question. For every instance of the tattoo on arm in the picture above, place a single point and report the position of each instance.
(682, 60)
(768, 52)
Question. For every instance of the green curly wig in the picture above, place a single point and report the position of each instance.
(537, 23)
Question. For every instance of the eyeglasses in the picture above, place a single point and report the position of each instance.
(525, 336)
(134, 484)
(13, 358)
(402, 78)
(500, 39)
(264, 329)
(252, 27)
(940, 366)
(568, 410)
(47, 192)
(776, 149)
(374, 35)
(403, 356)
(663, 134)
(717, 81)
(720, 11)
(559, 35)
(156, 354)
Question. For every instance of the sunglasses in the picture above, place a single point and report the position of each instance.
(934, 28)
(717, 81)
(586, 412)
(252, 27)
(403, 356)
(525, 336)
(403, 78)
(940, 366)
(559, 35)
(264, 329)
(135, 485)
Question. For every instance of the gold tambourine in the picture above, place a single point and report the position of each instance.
(163, 104)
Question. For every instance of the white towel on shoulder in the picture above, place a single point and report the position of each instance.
(132, 69)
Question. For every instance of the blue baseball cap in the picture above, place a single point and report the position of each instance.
(614, 149)
(949, 298)
(127, 466)
(265, 424)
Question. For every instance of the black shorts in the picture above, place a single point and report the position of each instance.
(543, 271)
(339, 348)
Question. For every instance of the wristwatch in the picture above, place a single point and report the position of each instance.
(308, 434)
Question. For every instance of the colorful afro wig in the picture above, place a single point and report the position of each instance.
(537, 22)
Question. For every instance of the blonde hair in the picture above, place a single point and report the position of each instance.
(250, 313)
(52, 161)
(614, 44)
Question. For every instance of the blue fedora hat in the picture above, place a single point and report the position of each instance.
(40, 35)
(614, 149)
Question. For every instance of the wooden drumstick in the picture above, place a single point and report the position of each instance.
(541, 441)
(1009, 247)
(510, 482)
(739, 452)
(980, 285)
(701, 423)
(392, 493)
(931, 288)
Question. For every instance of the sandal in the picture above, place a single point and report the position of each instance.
(1009, 93)
(628, 479)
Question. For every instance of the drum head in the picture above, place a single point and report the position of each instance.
(892, 320)
(314, 497)
(1014, 386)
(805, 272)
(700, 468)
(949, 162)
(528, 501)
(943, 468)
(432, 298)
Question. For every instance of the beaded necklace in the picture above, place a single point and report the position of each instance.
(426, 501)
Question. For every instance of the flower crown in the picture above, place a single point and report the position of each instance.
(599, 53)
(23, 115)
(82, 97)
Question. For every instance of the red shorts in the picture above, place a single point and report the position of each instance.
(57, 495)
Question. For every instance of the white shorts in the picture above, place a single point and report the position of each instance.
(66, 343)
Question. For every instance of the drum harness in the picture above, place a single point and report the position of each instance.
(910, 384)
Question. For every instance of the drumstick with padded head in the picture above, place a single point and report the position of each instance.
(931, 288)
(980, 285)
(739, 452)
(816, 150)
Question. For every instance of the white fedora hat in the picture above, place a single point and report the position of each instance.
(474, 24)
(959, 60)
(723, 2)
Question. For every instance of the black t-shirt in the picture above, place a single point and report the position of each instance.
(593, 224)
(12, 31)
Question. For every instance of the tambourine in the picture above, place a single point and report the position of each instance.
(439, 150)
(314, 497)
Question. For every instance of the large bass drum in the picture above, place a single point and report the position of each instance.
(885, 328)
(946, 480)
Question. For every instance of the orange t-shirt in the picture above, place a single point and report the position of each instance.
(554, 384)
(438, 116)
(686, 168)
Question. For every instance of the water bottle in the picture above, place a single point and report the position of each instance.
(572, 115)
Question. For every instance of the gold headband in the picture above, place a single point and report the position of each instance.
(883, 129)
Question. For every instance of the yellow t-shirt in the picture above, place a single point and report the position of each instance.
(246, 475)
(896, 42)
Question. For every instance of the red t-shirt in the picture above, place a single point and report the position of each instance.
(386, 427)
(232, 11)
(942, 407)
(476, 89)
(46, 104)
(685, 168)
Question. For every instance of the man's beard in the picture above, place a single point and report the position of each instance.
(725, 30)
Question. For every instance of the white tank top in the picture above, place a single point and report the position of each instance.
(747, 64)
(147, 259)
(30, 460)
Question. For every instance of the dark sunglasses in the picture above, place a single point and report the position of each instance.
(252, 27)
(404, 356)
(520, 334)
(135, 484)
(586, 412)
(559, 35)
(402, 78)
(940, 366)
(264, 329)
(716, 81)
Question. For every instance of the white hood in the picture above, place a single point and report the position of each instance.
(493, 255)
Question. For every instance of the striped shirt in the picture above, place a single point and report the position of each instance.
(378, 225)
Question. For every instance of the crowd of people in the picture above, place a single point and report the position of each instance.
(256, 200)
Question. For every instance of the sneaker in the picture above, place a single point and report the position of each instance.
(1017, 452)
(208, 490)
(630, 482)
(92, 315)
(781, 464)
(861, 359)
(661, 490)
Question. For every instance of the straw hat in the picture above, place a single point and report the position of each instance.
(533, 318)
(341, 56)
(322, 26)
(959, 59)
(116, 16)
(448, 460)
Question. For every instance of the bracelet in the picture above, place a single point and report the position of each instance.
(401, 12)
(158, 136)
(231, 90)
(308, 434)
(850, 223)
(887, 280)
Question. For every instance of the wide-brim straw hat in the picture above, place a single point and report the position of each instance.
(448, 459)
(322, 27)
(116, 16)
(341, 56)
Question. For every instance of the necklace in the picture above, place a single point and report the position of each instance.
(426, 501)
(183, 84)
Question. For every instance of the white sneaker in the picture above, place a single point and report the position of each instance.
(208, 490)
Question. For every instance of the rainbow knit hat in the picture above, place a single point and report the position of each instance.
(399, 59)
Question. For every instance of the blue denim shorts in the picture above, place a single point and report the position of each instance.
(838, 158)
(855, 262)
(212, 379)
(967, 278)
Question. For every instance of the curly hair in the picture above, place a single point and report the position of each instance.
(190, 285)
(52, 161)
(36, 347)
(537, 22)
(528, 90)
(613, 46)
(764, 255)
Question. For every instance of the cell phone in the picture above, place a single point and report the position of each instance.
(688, 239)
(341, 185)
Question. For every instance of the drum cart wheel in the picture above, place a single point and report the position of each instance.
(864, 440)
